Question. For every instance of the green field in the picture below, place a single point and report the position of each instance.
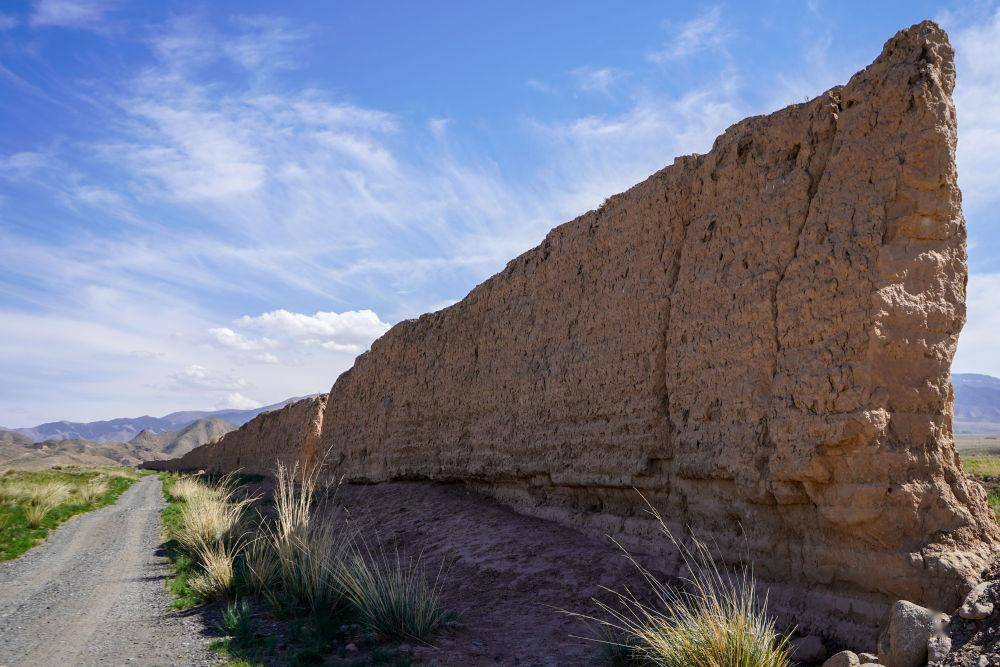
(33, 503)
(981, 459)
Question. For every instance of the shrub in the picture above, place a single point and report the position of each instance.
(392, 597)
(715, 619)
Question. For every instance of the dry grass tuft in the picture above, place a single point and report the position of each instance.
(715, 619)
(187, 488)
(211, 515)
(218, 578)
(393, 597)
(35, 513)
(308, 545)
(93, 490)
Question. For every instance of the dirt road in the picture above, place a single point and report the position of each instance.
(93, 594)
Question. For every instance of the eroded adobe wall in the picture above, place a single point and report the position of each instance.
(288, 436)
(758, 339)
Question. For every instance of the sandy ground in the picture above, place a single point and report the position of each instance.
(978, 444)
(93, 593)
(506, 575)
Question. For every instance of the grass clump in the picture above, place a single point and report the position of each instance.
(205, 521)
(307, 544)
(237, 621)
(391, 596)
(714, 619)
(94, 490)
(301, 558)
(217, 579)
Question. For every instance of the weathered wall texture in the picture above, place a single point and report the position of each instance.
(759, 339)
(287, 436)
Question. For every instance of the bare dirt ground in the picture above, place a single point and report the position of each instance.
(978, 444)
(506, 577)
(93, 593)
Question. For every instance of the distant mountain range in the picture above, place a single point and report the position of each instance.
(129, 441)
(20, 451)
(125, 429)
(977, 403)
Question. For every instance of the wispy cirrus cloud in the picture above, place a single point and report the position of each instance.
(81, 14)
(706, 31)
(596, 79)
(250, 191)
(977, 96)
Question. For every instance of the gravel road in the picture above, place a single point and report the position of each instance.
(93, 593)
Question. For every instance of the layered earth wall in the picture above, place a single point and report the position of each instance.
(758, 339)
(288, 436)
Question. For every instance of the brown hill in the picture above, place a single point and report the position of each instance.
(18, 451)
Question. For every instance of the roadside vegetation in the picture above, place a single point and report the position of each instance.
(711, 617)
(985, 467)
(33, 503)
(290, 578)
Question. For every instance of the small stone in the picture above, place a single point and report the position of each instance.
(867, 657)
(938, 648)
(351, 648)
(974, 608)
(808, 649)
(843, 659)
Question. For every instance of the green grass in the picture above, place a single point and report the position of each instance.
(985, 468)
(981, 465)
(17, 534)
(185, 568)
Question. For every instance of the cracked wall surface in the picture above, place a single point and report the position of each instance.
(757, 339)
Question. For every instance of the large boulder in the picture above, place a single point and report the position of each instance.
(907, 632)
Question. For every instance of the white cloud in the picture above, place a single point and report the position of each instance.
(85, 14)
(226, 337)
(540, 86)
(704, 32)
(196, 376)
(21, 165)
(979, 343)
(264, 193)
(349, 331)
(601, 155)
(237, 401)
(146, 354)
(977, 96)
(596, 79)
(7, 22)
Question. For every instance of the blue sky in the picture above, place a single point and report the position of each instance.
(220, 204)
